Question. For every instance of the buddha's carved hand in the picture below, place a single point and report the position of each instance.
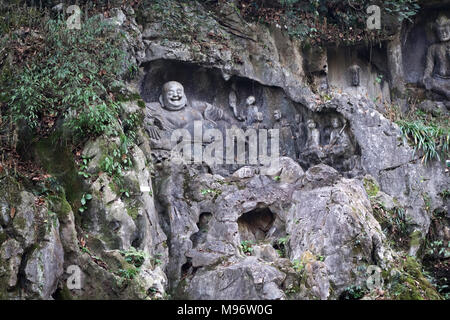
(428, 82)
(153, 130)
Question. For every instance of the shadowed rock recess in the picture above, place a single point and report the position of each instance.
(349, 210)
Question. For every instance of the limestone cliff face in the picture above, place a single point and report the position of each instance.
(307, 228)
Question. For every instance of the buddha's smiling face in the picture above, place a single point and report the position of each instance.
(277, 115)
(173, 96)
(443, 33)
(311, 124)
(335, 123)
(250, 100)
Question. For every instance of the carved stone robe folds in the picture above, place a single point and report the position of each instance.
(161, 122)
(438, 69)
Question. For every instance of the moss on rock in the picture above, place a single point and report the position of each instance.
(371, 186)
(415, 238)
(411, 284)
(60, 205)
(57, 159)
(133, 212)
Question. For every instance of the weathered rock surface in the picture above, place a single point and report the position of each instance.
(32, 255)
(328, 219)
(246, 280)
(333, 230)
(303, 229)
(392, 162)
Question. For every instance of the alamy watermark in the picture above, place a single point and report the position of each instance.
(373, 22)
(74, 20)
(253, 146)
(74, 280)
(375, 280)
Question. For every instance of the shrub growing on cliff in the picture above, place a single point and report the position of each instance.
(133, 256)
(321, 21)
(432, 139)
(73, 78)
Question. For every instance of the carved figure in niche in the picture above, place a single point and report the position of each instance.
(313, 153)
(339, 140)
(173, 111)
(299, 133)
(313, 135)
(287, 147)
(437, 71)
(354, 71)
(253, 114)
(340, 152)
(232, 101)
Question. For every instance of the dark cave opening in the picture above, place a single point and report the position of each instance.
(254, 225)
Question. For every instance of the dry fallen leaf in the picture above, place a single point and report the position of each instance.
(13, 213)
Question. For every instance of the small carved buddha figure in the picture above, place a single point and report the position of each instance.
(354, 86)
(252, 111)
(259, 117)
(313, 135)
(287, 142)
(339, 140)
(277, 115)
(354, 75)
(437, 71)
(232, 101)
(299, 133)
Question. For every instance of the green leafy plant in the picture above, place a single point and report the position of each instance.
(445, 194)
(432, 139)
(207, 191)
(353, 293)
(84, 200)
(118, 161)
(214, 192)
(280, 245)
(297, 265)
(125, 192)
(322, 21)
(134, 256)
(402, 9)
(130, 123)
(438, 248)
(83, 167)
(50, 186)
(129, 273)
(157, 259)
(379, 78)
(394, 223)
(86, 250)
(246, 247)
(400, 221)
(74, 77)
